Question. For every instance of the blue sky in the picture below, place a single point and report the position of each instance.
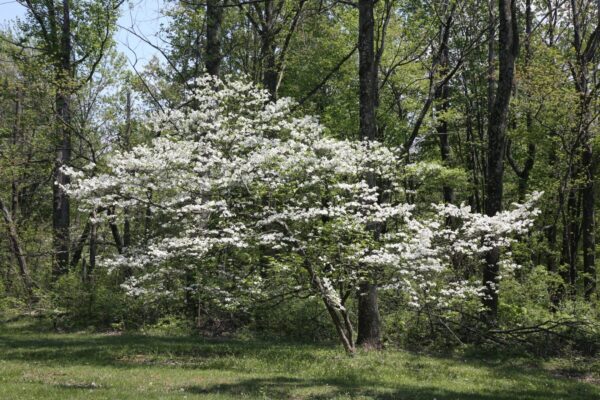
(143, 15)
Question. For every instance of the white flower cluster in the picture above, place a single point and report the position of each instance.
(231, 171)
(445, 243)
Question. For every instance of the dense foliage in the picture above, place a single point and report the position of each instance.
(412, 173)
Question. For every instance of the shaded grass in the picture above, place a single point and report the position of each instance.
(35, 365)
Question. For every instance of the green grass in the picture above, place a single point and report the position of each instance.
(51, 366)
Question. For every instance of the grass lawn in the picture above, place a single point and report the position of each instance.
(51, 366)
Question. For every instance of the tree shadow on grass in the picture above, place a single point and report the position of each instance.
(133, 351)
(281, 387)
(129, 351)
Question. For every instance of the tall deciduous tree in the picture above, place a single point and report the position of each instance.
(497, 125)
(583, 69)
(72, 38)
(369, 330)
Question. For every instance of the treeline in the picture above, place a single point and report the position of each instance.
(498, 99)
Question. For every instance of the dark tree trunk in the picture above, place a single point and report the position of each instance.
(524, 173)
(60, 201)
(114, 229)
(214, 20)
(528, 166)
(367, 70)
(584, 78)
(531, 147)
(126, 231)
(570, 241)
(93, 251)
(551, 236)
(588, 225)
(508, 51)
(491, 58)
(369, 334)
(78, 249)
(127, 146)
(267, 49)
(552, 229)
(442, 94)
(472, 148)
(269, 64)
(61, 207)
(474, 199)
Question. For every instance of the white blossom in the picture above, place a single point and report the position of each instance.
(237, 171)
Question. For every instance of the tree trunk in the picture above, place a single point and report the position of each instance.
(214, 20)
(114, 229)
(267, 49)
(61, 207)
(588, 225)
(339, 316)
(369, 332)
(550, 255)
(491, 57)
(583, 79)
(570, 241)
(127, 146)
(269, 64)
(78, 249)
(525, 172)
(442, 94)
(472, 155)
(508, 51)
(93, 250)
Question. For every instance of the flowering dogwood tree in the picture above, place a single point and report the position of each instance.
(232, 175)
